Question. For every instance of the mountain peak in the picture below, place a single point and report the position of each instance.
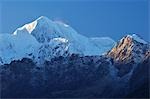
(46, 39)
(43, 19)
(136, 38)
(129, 48)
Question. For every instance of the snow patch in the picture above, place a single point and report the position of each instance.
(137, 38)
(61, 40)
(62, 23)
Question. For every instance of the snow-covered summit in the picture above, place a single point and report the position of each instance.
(137, 38)
(45, 39)
(44, 30)
(129, 48)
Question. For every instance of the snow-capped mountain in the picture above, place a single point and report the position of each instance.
(44, 39)
(128, 52)
(15, 47)
(116, 74)
(73, 76)
(44, 30)
(129, 48)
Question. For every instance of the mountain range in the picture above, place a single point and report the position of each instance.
(49, 59)
(46, 39)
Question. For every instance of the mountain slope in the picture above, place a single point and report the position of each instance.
(15, 47)
(73, 76)
(44, 39)
(103, 43)
(129, 51)
(76, 76)
(62, 74)
(44, 30)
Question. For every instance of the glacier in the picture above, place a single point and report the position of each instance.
(44, 39)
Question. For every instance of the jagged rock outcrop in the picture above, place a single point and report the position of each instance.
(128, 52)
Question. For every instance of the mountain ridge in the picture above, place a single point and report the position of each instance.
(43, 32)
(46, 60)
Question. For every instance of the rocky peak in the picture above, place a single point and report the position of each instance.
(129, 49)
(128, 53)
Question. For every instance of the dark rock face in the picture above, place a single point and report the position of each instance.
(139, 82)
(124, 69)
(25, 79)
(74, 77)
(15, 78)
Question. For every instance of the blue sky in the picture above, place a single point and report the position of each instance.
(113, 18)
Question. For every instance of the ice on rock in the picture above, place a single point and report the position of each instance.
(137, 38)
